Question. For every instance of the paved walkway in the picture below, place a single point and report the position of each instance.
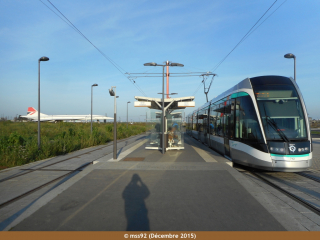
(19, 180)
(193, 189)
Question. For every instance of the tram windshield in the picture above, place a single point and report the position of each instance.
(281, 112)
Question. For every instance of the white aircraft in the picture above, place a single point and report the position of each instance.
(32, 114)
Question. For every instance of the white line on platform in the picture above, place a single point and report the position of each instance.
(204, 155)
(230, 164)
(127, 152)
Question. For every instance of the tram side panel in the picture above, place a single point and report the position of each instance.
(236, 125)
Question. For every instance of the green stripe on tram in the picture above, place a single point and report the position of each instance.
(239, 94)
(278, 155)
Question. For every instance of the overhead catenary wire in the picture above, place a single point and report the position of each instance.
(67, 21)
(264, 21)
(56, 14)
(252, 29)
(77, 30)
(243, 38)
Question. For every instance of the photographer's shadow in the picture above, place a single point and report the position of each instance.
(135, 208)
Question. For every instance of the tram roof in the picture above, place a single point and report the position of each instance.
(245, 85)
(156, 103)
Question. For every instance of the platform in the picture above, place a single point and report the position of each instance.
(194, 190)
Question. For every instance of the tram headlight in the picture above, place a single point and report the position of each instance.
(277, 150)
(303, 150)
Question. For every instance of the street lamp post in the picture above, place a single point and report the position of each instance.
(113, 93)
(93, 85)
(290, 55)
(127, 114)
(163, 112)
(42, 59)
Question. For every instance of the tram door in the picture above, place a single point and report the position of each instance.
(205, 126)
(229, 125)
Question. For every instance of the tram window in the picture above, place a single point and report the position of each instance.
(205, 120)
(227, 111)
(218, 128)
(280, 106)
(213, 120)
(194, 121)
(220, 120)
(231, 119)
(249, 128)
(237, 118)
(189, 123)
(201, 117)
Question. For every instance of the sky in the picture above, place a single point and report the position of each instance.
(196, 33)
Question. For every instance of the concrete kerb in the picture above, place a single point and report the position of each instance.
(61, 188)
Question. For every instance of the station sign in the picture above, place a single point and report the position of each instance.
(142, 104)
(186, 104)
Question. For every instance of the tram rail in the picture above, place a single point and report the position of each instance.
(41, 186)
(42, 168)
(260, 175)
(80, 168)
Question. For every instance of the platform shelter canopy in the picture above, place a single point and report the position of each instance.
(169, 103)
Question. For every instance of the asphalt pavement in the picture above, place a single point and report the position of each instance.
(195, 189)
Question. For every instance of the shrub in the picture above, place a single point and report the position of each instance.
(19, 142)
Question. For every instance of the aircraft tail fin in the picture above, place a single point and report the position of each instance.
(33, 112)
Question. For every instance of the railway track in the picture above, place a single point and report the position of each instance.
(76, 156)
(266, 179)
(41, 186)
(298, 199)
(317, 179)
(69, 172)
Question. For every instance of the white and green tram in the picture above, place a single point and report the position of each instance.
(261, 122)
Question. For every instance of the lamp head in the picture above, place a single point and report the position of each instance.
(176, 65)
(150, 64)
(94, 85)
(289, 55)
(111, 92)
(43, 59)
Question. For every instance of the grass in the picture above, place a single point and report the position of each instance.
(315, 132)
(19, 141)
